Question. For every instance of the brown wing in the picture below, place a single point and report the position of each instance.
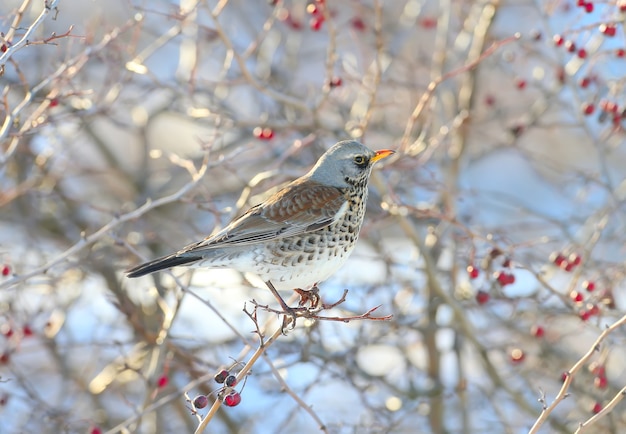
(302, 206)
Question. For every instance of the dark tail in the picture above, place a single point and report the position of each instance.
(160, 264)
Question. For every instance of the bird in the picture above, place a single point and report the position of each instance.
(300, 235)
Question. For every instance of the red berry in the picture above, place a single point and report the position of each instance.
(335, 82)
(576, 296)
(490, 100)
(520, 83)
(570, 46)
(357, 24)
(600, 382)
(580, 3)
(428, 22)
(597, 408)
(6, 270)
(582, 53)
(620, 52)
(537, 331)
(589, 286)
(200, 401)
(588, 108)
(517, 355)
(162, 381)
(4, 358)
(54, 102)
(557, 259)
(472, 271)
(564, 376)
(584, 82)
(608, 106)
(567, 266)
(575, 259)
(267, 134)
(589, 7)
(230, 381)
(220, 377)
(27, 331)
(95, 430)
(482, 297)
(597, 369)
(312, 9)
(7, 330)
(622, 6)
(263, 133)
(316, 23)
(232, 399)
(584, 315)
(608, 29)
(593, 310)
(558, 40)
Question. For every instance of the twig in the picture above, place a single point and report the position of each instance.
(606, 410)
(49, 6)
(90, 239)
(570, 374)
(240, 375)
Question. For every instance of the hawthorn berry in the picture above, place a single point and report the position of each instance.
(4, 358)
(576, 296)
(27, 331)
(232, 399)
(517, 355)
(575, 259)
(263, 133)
(597, 408)
(95, 430)
(570, 46)
(482, 297)
(520, 83)
(472, 272)
(358, 24)
(620, 52)
(230, 381)
(584, 82)
(335, 82)
(316, 23)
(162, 381)
(597, 369)
(557, 259)
(200, 401)
(600, 382)
(537, 331)
(6, 270)
(608, 29)
(589, 7)
(220, 377)
(584, 315)
(588, 108)
(558, 40)
(582, 53)
(589, 286)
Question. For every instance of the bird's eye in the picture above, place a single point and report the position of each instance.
(359, 160)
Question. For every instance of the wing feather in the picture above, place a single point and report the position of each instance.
(301, 207)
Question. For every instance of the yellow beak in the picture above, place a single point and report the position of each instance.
(383, 153)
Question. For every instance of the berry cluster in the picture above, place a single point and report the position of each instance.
(316, 10)
(227, 394)
(263, 133)
(503, 277)
(566, 263)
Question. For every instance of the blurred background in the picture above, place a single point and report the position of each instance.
(495, 236)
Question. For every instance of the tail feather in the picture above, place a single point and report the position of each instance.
(160, 264)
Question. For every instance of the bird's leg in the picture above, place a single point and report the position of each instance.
(290, 314)
(311, 296)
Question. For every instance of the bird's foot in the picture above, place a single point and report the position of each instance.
(311, 296)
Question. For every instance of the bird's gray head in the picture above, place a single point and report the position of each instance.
(346, 163)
